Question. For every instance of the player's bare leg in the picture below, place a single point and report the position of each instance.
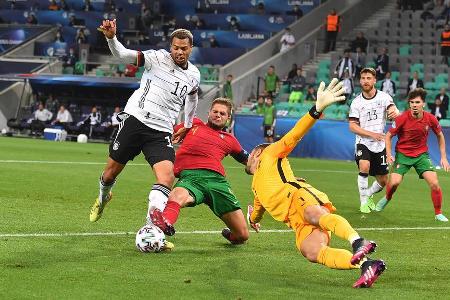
(237, 231)
(392, 185)
(436, 194)
(106, 183)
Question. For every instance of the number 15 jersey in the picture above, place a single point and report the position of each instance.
(371, 116)
(163, 90)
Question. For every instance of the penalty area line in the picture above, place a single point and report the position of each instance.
(120, 233)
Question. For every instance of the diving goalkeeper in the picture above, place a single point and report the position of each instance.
(303, 208)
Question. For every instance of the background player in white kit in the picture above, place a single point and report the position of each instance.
(168, 82)
(367, 119)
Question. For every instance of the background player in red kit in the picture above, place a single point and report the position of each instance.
(198, 165)
(412, 129)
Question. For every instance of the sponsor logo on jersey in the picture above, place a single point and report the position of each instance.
(116, 146)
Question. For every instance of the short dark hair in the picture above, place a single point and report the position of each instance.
(262, 146)
(369, 70)
(419, 92)
(182, 34)
(224, 101)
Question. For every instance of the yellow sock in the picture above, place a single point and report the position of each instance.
(335, 258)
(339, 226)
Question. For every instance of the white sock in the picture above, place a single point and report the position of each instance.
(104, 189)
(363, 184)
(158, 197)
(375, 188)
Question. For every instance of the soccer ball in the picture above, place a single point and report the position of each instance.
(150, 239)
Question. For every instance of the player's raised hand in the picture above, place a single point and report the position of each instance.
(255, 226)
(445, 165)
(393, 112)
(326, 96)
(378, 136)
(389, 159)
(108, 28)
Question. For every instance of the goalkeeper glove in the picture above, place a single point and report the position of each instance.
(254, 226)
(333, 93)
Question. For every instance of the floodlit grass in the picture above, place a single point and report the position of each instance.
(56, 198)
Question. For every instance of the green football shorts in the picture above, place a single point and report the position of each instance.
(421, 164)
(211, 188)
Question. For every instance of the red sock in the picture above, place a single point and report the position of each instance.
(171, 211)
(390, 190)
(436, 197)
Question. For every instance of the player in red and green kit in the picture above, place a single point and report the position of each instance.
(412, 129)
(198, 165)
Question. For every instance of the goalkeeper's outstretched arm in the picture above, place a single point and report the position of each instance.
(325, 97)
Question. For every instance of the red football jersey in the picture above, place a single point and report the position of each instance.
(204, 148)
(413, 133)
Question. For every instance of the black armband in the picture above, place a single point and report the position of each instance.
(314, 113)
(241, 157)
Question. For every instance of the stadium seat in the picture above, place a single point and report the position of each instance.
(67, 70)
(99, 72)
(404, 50)
(79, 68)
(445, 122)
(431, 85)
(245, 110)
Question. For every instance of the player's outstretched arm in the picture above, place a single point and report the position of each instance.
(441, 142)
(327, 96)
(392, 112)
(255, 226)
(388, 142)
(109, 29)
(357, 129)
(255, 214)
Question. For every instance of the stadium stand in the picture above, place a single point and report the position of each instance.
(247, 36)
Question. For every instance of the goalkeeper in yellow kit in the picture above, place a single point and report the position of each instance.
(303, 208)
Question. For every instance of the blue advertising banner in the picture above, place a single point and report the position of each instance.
(201, 56)
(215, 56)
(327, 139)
(271, 23)
(50, 49)
(230, 39)
(183, 8)
(13, 35)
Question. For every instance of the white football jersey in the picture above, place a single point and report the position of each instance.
(371, 114)
(163, 90)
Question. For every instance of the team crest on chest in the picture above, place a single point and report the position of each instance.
(222, 136)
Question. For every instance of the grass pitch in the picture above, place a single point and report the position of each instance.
(47, 188)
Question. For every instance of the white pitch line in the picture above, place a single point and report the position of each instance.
(138, 164)
(70, 234)
(145, 164)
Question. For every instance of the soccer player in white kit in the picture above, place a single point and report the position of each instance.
(168, 82)
(367, 119)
